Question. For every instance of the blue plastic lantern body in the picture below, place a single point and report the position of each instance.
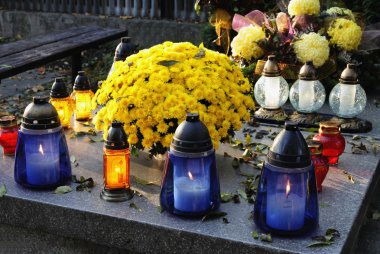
(42, 160)
(286, 202)
(287, 199)
(42, 156)
(190, 186)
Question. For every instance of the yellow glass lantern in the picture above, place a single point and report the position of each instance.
(82, 96)
(63, 103)
(116, 165)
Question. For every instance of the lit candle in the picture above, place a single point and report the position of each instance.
(347, 98)
(285, 210)
(306, 94)
(114, 176)
(82, 105)
(42, 168)
(191, 194)
(272, 92)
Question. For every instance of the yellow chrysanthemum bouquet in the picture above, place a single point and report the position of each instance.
(151, 92)
(300, 33)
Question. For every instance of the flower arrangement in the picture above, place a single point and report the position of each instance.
(151, 92)
(301, 35)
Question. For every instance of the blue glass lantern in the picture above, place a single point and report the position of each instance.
(190, 185)
(287, 201)
(42, 157)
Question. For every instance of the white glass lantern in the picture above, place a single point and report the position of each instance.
(271, 90)
(307, 94)
(348, 99)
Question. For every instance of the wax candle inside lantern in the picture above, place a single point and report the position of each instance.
(42, 165)
(115, 171)
(192, 191)
(306, 95)
(83, 105)
(347, 98)
(272, 92)
(285, 209)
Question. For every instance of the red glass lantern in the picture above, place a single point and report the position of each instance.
(321, 166)
(333, 142)
(8, 134)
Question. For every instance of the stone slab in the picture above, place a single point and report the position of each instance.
(83, 215)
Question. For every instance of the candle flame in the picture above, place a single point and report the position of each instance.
(41, 150)
(287, 188)
(190, 176)
(117, 169)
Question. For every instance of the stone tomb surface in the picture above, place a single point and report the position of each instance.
(84, 216)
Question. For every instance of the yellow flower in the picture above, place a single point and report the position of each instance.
(151, 92)
(312, 47)
(345, 33)
(245, 44)
(299, 7)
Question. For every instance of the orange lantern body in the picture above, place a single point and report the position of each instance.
(116, 165)
(65, 108)
(82, 96)
(62, 102)
(116, 169)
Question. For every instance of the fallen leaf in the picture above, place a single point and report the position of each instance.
(96, 139)
(213, 215)
(319, 244)
(332, 231)
(242, 194)
(160, 209)
(142, 181)
(168, 63)
(134, 206)
(73, 159)
(225, 220)
(266, 238)
(356, 137)
(63, 189)
(201, 53)
(3, 190)
(225, 197)
(255, 234)
(351, 178)
(375, 214)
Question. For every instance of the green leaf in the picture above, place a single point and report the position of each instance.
(73, 159)
(63, 189)
(266, 238)
(3, 190)
(356, 137)
(197, 7)
(255, 234)
(142, 181)
(135, 152)
(5, 66)
(134, 206)
(332, 231)
(213, 215)
(319, 244)
(242, 194)
(375, 214)
(168, 63)
(201, 53)
(96, 139)
(225, 197)
(323, 205)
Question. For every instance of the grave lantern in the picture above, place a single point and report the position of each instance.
(287, 202)
(190, 185)
(307, 94)
(63, 103)
(348, 99)
(8, 134)
(123, 50)
(320, 162)
(332, 140)
(116, 165)
(82, 96)
(271, 90)
(42, 157)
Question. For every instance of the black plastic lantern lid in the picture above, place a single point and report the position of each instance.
(349, 76)
(308, 72)
(191, 136)
(40, 115)
(271, 68)
(117, 139)
(59, 89)
(289, 149)
(81, 82)
(124, 49)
